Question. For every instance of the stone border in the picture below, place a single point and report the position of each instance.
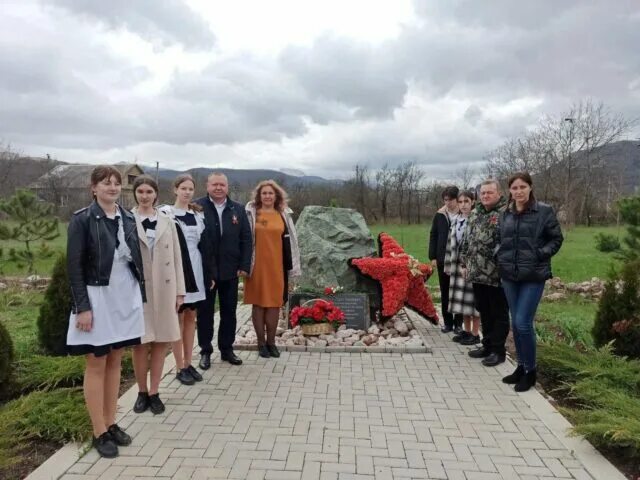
(344, 348)
(419, 324)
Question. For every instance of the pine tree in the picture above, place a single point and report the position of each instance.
(32, 222)
(54, 311)
(630, 214)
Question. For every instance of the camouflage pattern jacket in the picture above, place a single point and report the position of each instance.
(480, 242)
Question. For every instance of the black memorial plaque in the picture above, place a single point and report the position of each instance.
(354, 305)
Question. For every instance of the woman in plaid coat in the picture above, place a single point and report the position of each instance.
(461, 299)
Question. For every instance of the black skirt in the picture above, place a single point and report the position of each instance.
(101, 350)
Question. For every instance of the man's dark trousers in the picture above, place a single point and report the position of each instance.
(227, 291)
(492, 304)
(450, 320)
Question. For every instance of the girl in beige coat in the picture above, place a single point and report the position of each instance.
(164, 278)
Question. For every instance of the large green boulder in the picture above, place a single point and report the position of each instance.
(328, 238)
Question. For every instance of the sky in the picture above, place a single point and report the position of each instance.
(307, 85)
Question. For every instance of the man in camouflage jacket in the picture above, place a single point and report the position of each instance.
(477, 256)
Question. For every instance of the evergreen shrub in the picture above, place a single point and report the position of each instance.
(607, 243)
(6, 358)
(54, 312)
(618, 316)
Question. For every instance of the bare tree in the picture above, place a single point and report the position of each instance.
(563, 153)
(465, 176)
(8, 169)
(414, 179)
(384, 185)
(358, 187)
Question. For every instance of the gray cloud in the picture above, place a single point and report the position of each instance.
(164, 21)
(365, 78)
(448, 88)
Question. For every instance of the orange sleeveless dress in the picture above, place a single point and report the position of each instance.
(265, 287)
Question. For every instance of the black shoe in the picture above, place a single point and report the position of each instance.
(155, 404)
(446, 329)
(194, 373)
(142, 402)
(470, 340)
(527, 381)
(105, 445)
(494, 359)
(273, 351)
(263, 351)
(232, 358)
(458, 337)
(457, 330)
(184, 377)
(119, 436)
(479, 352)
(515, 376)
(205, 361)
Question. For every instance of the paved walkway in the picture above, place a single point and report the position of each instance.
(340, 416)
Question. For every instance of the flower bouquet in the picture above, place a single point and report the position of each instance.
(332, 290)
(317, 317)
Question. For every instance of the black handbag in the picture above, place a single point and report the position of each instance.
(287, 257)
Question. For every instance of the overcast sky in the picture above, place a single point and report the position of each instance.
(312, 85)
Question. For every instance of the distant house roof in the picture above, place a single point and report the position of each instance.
(78, 176)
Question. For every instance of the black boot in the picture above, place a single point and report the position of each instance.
(119, 436)
(142, 402)
(515, 376)
(273, 351)
(105, 445)
(527, 381)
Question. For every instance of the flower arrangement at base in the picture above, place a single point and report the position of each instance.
(333, 289)
(401, 278)
(316, 317)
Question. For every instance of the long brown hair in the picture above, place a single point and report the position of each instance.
(526, 178)
(145, 180)
(281, 196)
(185, 177)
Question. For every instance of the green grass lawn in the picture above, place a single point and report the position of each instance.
(578, 259)
(569, 321)
(42, 267)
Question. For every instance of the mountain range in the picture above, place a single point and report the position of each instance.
(246, 177)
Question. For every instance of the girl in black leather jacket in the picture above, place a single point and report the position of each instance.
(107, 285)
(529, 235)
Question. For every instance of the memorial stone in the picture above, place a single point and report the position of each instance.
(328, 238)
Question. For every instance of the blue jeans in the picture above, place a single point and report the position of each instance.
(523, 299)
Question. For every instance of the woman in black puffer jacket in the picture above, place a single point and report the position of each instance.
(529, 235)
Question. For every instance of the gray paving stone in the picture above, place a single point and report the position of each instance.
(332, 415)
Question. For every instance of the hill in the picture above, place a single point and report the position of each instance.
(244, 177)
(623, 158)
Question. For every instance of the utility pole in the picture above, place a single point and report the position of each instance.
(157, 168)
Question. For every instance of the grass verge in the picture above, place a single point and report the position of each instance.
(599, 392)
(53, 416)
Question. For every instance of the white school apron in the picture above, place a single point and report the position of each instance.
(192, 235)
(116, 308)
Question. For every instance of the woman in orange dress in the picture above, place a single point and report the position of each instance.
(275, 260)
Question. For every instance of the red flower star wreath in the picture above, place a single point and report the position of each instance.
(401, 279)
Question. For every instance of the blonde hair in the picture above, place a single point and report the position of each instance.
(281, 196)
